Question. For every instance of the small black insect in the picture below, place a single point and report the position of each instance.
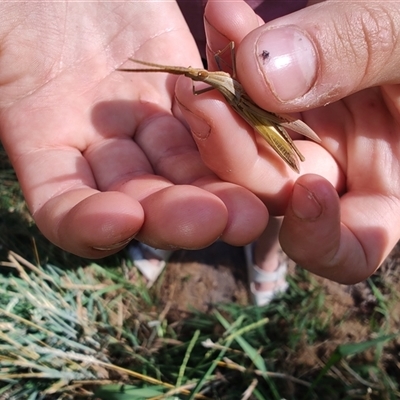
(264, 54)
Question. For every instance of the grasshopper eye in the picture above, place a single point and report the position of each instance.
(202, 73)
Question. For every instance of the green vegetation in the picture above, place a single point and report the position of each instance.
(74, 329)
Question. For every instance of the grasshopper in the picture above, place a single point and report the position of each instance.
(269, 125)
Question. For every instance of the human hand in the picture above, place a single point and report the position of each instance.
(340, 62)
(102, 156)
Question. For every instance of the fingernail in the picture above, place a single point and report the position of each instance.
(114, 246)
(288, 61)
(198, 125)
(304, 203)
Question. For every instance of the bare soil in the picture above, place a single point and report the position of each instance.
(200, 279)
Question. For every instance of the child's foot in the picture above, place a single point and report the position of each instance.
(267, 283)
(148, 260)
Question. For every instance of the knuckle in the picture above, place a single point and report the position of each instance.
(374, 39)
(366, 38)
(380, 36)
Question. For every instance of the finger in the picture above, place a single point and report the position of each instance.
(82, 220)
(174, 155)
(182, 216)
(171, 150)
(60, 195)
(247, 215)
(320, 54)
(68, 208)
(345, 239)
(238, 25)
(232, 150)
(46, 144)
(89, 223)
(86, 222)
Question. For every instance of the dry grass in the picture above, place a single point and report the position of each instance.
(73, 329)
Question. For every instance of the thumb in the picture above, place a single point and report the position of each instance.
(343, 239)
(313, 236)
(320, 54)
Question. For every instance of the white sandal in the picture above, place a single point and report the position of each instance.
(256, 274)
(148, 260)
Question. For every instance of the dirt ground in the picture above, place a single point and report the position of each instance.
(199, 279)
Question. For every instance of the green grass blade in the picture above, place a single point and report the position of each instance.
(127, 392)
(187, 356)
(348, 349)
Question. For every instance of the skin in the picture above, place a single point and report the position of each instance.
(97, 170)
(342, 215)
(104, 156)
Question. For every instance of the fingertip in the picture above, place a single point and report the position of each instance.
(310, 233)
(182, 216)
(343, 239)
(284, 59)
(304, 204)
(300, 61)
(247, 214)
(207, 115)
(226, 21)
(313, 197)
(91, 226)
